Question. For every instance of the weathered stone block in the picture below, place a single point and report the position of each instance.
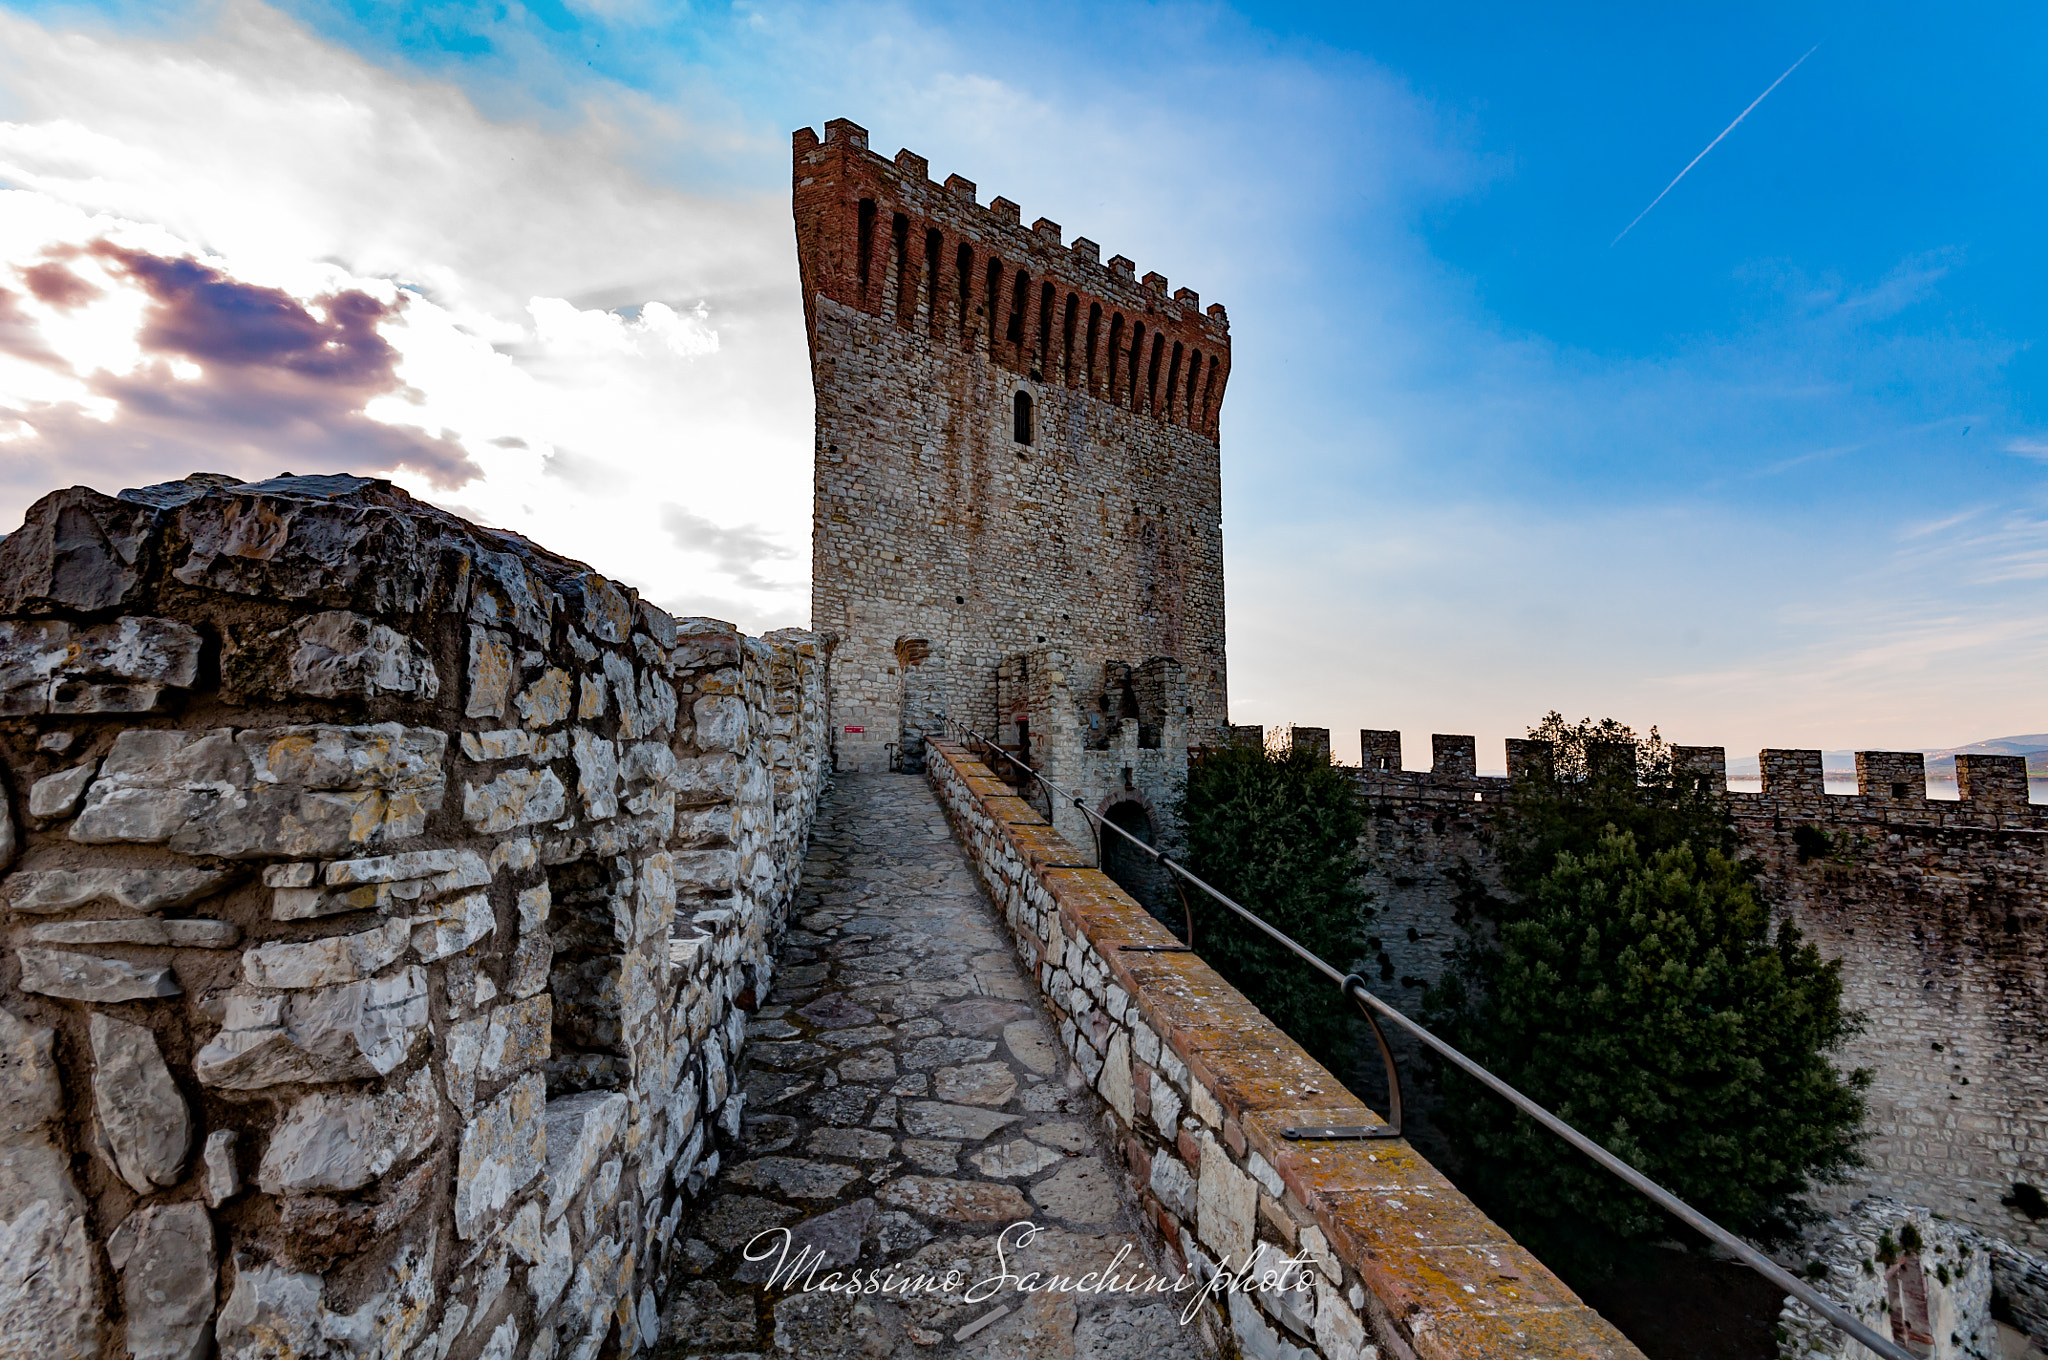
(345, 1141)
(288, 791)
(327, 963)
(165, 1256)
(87, 977)
(45, 891)
(362, 1029)
(77, 549)
(515, 798)
(545, 702)
(490, 673)
(503, 1149)
(143, 1127)
(120, 667)
(580, 1130)
(452, 926)
(597, 773)
(147, 931)
(57, 795)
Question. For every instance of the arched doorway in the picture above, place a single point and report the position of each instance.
(1131, 869)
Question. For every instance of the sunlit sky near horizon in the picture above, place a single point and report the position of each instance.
(1772, 469)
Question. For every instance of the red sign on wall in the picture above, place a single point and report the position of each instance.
(856, 729)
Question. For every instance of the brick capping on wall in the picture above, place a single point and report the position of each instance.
(1201, 1085)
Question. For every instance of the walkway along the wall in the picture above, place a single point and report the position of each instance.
(385, 894)
(1202, 1084)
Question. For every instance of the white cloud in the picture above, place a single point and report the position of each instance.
(555, 309)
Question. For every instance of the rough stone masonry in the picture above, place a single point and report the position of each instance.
(383, 894)
(1016, 444)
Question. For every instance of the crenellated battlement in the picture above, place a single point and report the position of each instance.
(1887, 779)
(879, 235)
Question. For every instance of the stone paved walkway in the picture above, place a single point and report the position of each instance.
(907, 1101)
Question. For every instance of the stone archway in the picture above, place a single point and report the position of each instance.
(1130, 868)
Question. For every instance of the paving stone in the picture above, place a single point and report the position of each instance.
(931, 1119)
(1014, 1160)
(1065, 1134)
(786, 1054)
(947, 1051)
(858, 1038)
(959, 1200)
(932, 1154)
(705, 1317)
(731, 1221)
(988, 1083)
(847, 1105)
(956, 1047)
(833, 1238)
(860, 1145)
(1081, 1192)
(1030, 1044)
(982, 1014)
(836, 1012)
(791, 1177)
(875, 1066)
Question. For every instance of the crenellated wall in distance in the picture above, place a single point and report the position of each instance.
(1016, 446)
(383, 895)
(1938, 910)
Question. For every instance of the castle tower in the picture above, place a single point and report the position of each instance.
(1016, 447)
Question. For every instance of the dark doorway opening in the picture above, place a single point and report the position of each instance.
(1136, 872)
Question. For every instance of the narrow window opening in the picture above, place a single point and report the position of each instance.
(1067, 374)
(866, 250)
(988, 302)
(963, 270)
(934, 246)
(1208, 398)
(1172, 384)
(1020, 298)
(1152, 372)
(1094, 335)
(1130, 398)
(906, 277)
(1116, 351)
(1194, 379)
(1047, 302)
(1021, 413)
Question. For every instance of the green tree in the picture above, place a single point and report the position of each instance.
(1280, 833)
(1629, 979)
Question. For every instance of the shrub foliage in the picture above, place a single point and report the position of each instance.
(1629, 979)
(1278, 832)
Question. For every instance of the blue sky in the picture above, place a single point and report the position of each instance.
(1769, 471)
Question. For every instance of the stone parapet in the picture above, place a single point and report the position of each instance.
(386, 893)
(1202, 1084)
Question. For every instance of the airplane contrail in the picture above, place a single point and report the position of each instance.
(1711, 145)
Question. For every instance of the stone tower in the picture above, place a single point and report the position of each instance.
(1016, 448)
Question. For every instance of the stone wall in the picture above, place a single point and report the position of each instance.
(384, 893)
(1201, 1087)
(1937, 909)
(1016, 444)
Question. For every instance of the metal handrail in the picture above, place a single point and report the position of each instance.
(1354, 986)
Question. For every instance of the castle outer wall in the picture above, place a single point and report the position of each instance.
(1016, 445)
(1935, 907)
